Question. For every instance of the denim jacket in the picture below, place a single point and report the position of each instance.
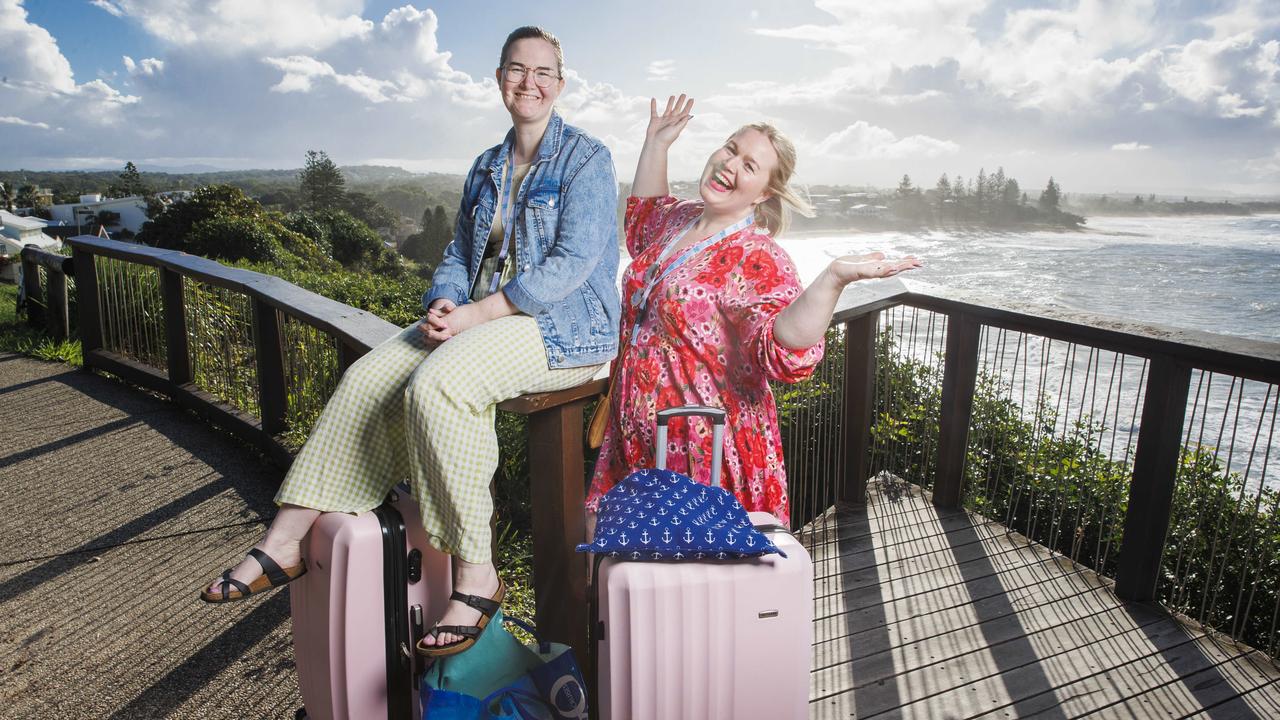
(565, 246)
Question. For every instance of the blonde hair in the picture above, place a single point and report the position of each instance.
(774, 213)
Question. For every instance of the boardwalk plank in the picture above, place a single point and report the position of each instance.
(958, 618)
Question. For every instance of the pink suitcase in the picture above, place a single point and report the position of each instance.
(705, 639)
(373, 585)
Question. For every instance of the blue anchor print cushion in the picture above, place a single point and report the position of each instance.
(663, 515)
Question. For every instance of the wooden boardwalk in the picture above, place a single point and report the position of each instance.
(120, 505)
(922, 613)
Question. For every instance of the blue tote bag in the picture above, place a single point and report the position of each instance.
(499, 678)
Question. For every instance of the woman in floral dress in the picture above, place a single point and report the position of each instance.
(713, 310)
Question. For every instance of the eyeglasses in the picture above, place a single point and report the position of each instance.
(542, 77)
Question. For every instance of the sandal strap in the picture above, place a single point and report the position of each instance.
(228, 582)
(467, 631)
(270, 567)
(486, 606)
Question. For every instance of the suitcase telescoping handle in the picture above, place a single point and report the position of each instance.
(717, 435)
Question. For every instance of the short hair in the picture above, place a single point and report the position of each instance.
(532, 31)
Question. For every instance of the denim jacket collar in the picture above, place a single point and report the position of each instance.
(547, 149)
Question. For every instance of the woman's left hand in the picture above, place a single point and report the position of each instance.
(461, 319)
(851, 268)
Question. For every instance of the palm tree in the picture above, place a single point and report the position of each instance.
(7, 196)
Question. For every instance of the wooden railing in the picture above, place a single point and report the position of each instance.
(47, 303)
(555, 419)
(556, 442)
(1172, 353)
(271, 301)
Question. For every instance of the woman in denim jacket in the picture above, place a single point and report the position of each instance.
(523, 301)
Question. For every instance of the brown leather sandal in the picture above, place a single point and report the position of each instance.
(273, 576)
(470, 633)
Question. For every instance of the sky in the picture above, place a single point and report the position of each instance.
(1130, 96)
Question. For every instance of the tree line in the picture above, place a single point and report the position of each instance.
(994, 199)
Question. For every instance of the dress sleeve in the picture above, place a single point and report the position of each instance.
(645, 221)
(763, 285)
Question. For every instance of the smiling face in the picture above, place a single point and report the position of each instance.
(527, 102)
(736, 177)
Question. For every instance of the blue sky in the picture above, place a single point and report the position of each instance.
(1135, 96)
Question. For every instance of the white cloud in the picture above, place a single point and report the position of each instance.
(148, 67)
(661, 70)
(237, 27)
(398, 60)
(38, 78)
(1266, 168)
(108, 6)
(1130, 147)
(12, 120)
(862, 140)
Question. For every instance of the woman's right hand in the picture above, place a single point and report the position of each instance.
(665, 128)
(434, 325)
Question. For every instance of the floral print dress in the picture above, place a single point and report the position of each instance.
(706, 338)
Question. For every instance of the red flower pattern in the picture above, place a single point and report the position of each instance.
(722, 355)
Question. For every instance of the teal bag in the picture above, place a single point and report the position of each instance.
(499, 678)
(495, 661)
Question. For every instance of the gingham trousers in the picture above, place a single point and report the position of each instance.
(406, 411)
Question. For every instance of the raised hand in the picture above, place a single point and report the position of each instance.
(851, 268)
(665, 128)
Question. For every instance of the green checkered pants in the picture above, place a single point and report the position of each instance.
(405, 411)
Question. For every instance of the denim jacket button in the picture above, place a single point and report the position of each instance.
(551, 202)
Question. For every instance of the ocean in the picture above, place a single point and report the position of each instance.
(1212, 273)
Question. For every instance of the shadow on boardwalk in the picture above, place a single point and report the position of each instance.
(117, 507)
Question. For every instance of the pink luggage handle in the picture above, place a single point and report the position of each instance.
(717, 435)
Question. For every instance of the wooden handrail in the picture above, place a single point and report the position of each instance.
(360, 329)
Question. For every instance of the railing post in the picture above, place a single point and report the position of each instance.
(1155, 472)
(859, 401)
(559, 524)
(175, 327)
(347, 356)
(35, 295)
(270, 362)
(960, 376)
(90, 325)
(58, 321)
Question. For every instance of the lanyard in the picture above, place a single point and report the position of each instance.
(640, 298)
(508, 217)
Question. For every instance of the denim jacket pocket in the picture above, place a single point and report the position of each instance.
(544, 208)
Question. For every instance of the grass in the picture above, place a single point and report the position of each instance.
(17, 336)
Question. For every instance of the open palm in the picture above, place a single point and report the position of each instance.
(665, 128)
(850, 268)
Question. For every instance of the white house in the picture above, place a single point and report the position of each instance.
(132, 211)
(16, 233)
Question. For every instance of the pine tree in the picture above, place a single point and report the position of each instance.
(1050, 196)
(943, 188)
(905, 188)
(998, 183)
(321, 183)
(129, 184)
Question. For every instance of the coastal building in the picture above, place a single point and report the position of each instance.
(17, 232)
(127, 213)
(867, 210)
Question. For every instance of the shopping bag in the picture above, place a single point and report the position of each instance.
(499, 678)
(496, 660)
